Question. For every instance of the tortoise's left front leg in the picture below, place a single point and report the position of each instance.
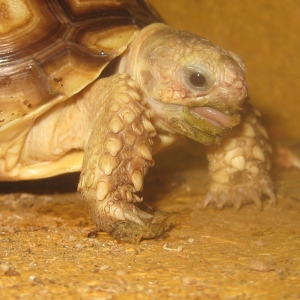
(239, 166)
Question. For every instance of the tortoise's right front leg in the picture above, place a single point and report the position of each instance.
(117, 158)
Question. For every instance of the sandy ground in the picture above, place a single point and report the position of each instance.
(48, 245)
(49, 248)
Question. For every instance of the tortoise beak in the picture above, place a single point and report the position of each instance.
(215, 117)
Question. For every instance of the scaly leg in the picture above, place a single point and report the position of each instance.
(116, 160)
(239, 165)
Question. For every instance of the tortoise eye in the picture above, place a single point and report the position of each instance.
(198, 80)
(198, 77)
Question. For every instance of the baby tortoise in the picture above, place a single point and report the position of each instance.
(99, 86)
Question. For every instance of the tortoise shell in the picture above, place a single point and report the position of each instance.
(50, 50)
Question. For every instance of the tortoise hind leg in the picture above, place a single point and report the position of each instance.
(117, 158)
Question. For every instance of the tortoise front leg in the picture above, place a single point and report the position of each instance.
(239, 166)
(116, 160)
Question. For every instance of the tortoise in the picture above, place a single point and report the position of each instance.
(100, 86)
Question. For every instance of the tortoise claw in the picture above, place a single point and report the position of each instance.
(145, 215)
(131, 216)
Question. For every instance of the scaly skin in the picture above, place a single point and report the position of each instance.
(239, 166)
(117, 156)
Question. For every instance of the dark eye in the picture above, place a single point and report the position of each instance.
(198, 77)
(198, 80)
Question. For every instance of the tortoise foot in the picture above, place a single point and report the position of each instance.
(131, 232)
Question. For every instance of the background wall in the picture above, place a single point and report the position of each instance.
(266, 34)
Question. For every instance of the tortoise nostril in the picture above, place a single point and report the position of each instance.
(238, 84)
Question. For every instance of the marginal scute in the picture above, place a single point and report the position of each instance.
(69, 69)
(19, 87)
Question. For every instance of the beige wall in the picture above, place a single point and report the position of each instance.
(266, 34)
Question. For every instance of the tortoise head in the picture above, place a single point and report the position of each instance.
(193, 87)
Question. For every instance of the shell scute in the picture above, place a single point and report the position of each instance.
(80, 10)
(17, 102)
(50, 50)
(69, 69)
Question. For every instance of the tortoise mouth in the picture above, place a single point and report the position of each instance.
(205, 130)
(208, 125)
(203, 124)
(213, 116)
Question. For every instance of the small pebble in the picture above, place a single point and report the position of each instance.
(105, 267)
(4, 266)
(11, 272)
(187, 280)
(71, 238)
(183, 255)
(178, 249)
(79, 246)
(92, 234)
(261, 265)
(36, 279)
(259, 243)
(121, 273)
(26, 196)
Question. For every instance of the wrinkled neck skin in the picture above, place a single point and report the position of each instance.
(163, 61)
(161, 112)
